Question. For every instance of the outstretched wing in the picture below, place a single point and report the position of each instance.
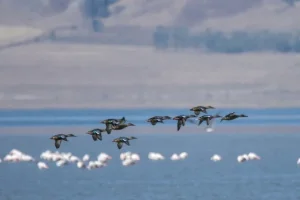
(94, 137)
(197, 112)
(119, 144)
(57, 143)
(230, 114)
(99, 136)
(127, 142)
(179, 122)
(108, 128)
(200, 122)
(182, 121)
(153, 122)
(207, 121)
(122, 120)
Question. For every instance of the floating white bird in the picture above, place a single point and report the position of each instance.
(17, 156)
(128, 158)
(298, 161)
(61, 163)
(155, 156)
(253, 156)
(42, 165)
(135, 157)
(80, 164)
(241, 158)
(85, 158)
(103, 157)
(122, 156)
(216, 158)
(74, 159)
(175, 157)
(183, 155)
(128, 162)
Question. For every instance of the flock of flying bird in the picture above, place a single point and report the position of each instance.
(119, 124)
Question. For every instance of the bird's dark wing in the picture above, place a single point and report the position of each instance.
(99, 136)
(57, 143)
(94, 137)
(207, 122)
(179, 125)
(211, 122)
(153, 122)
(230, 114)
(200, 122)
(108, 128)
(127, 142)
(119, 144)
(183, 122)
(122, 121)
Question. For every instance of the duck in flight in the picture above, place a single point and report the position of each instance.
(198, 109)
(96, 133)
(112, 122)
(158, 119)
(121, 126)
(122, 140)
(59, 137)
(207, 118)
(232, 116)
(181, 120)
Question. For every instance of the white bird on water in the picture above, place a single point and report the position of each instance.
(129, 158)
(85, 158)
(42, 165)
(181, 156)
(253, 156)
(155, 156)
(216, 158)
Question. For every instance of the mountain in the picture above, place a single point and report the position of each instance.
(196, 14)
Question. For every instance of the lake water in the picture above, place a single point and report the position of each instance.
(275, 177)
(92, 117)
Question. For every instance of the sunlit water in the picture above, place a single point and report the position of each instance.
(275, 177)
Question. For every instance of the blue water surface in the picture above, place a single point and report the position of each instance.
(65, 117)
(276, 176)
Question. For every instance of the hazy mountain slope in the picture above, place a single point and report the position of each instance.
(224, 15)
(221, 14)
(12, 34)
(272, 15)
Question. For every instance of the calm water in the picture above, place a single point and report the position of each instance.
(92, 117)
(275, 177)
